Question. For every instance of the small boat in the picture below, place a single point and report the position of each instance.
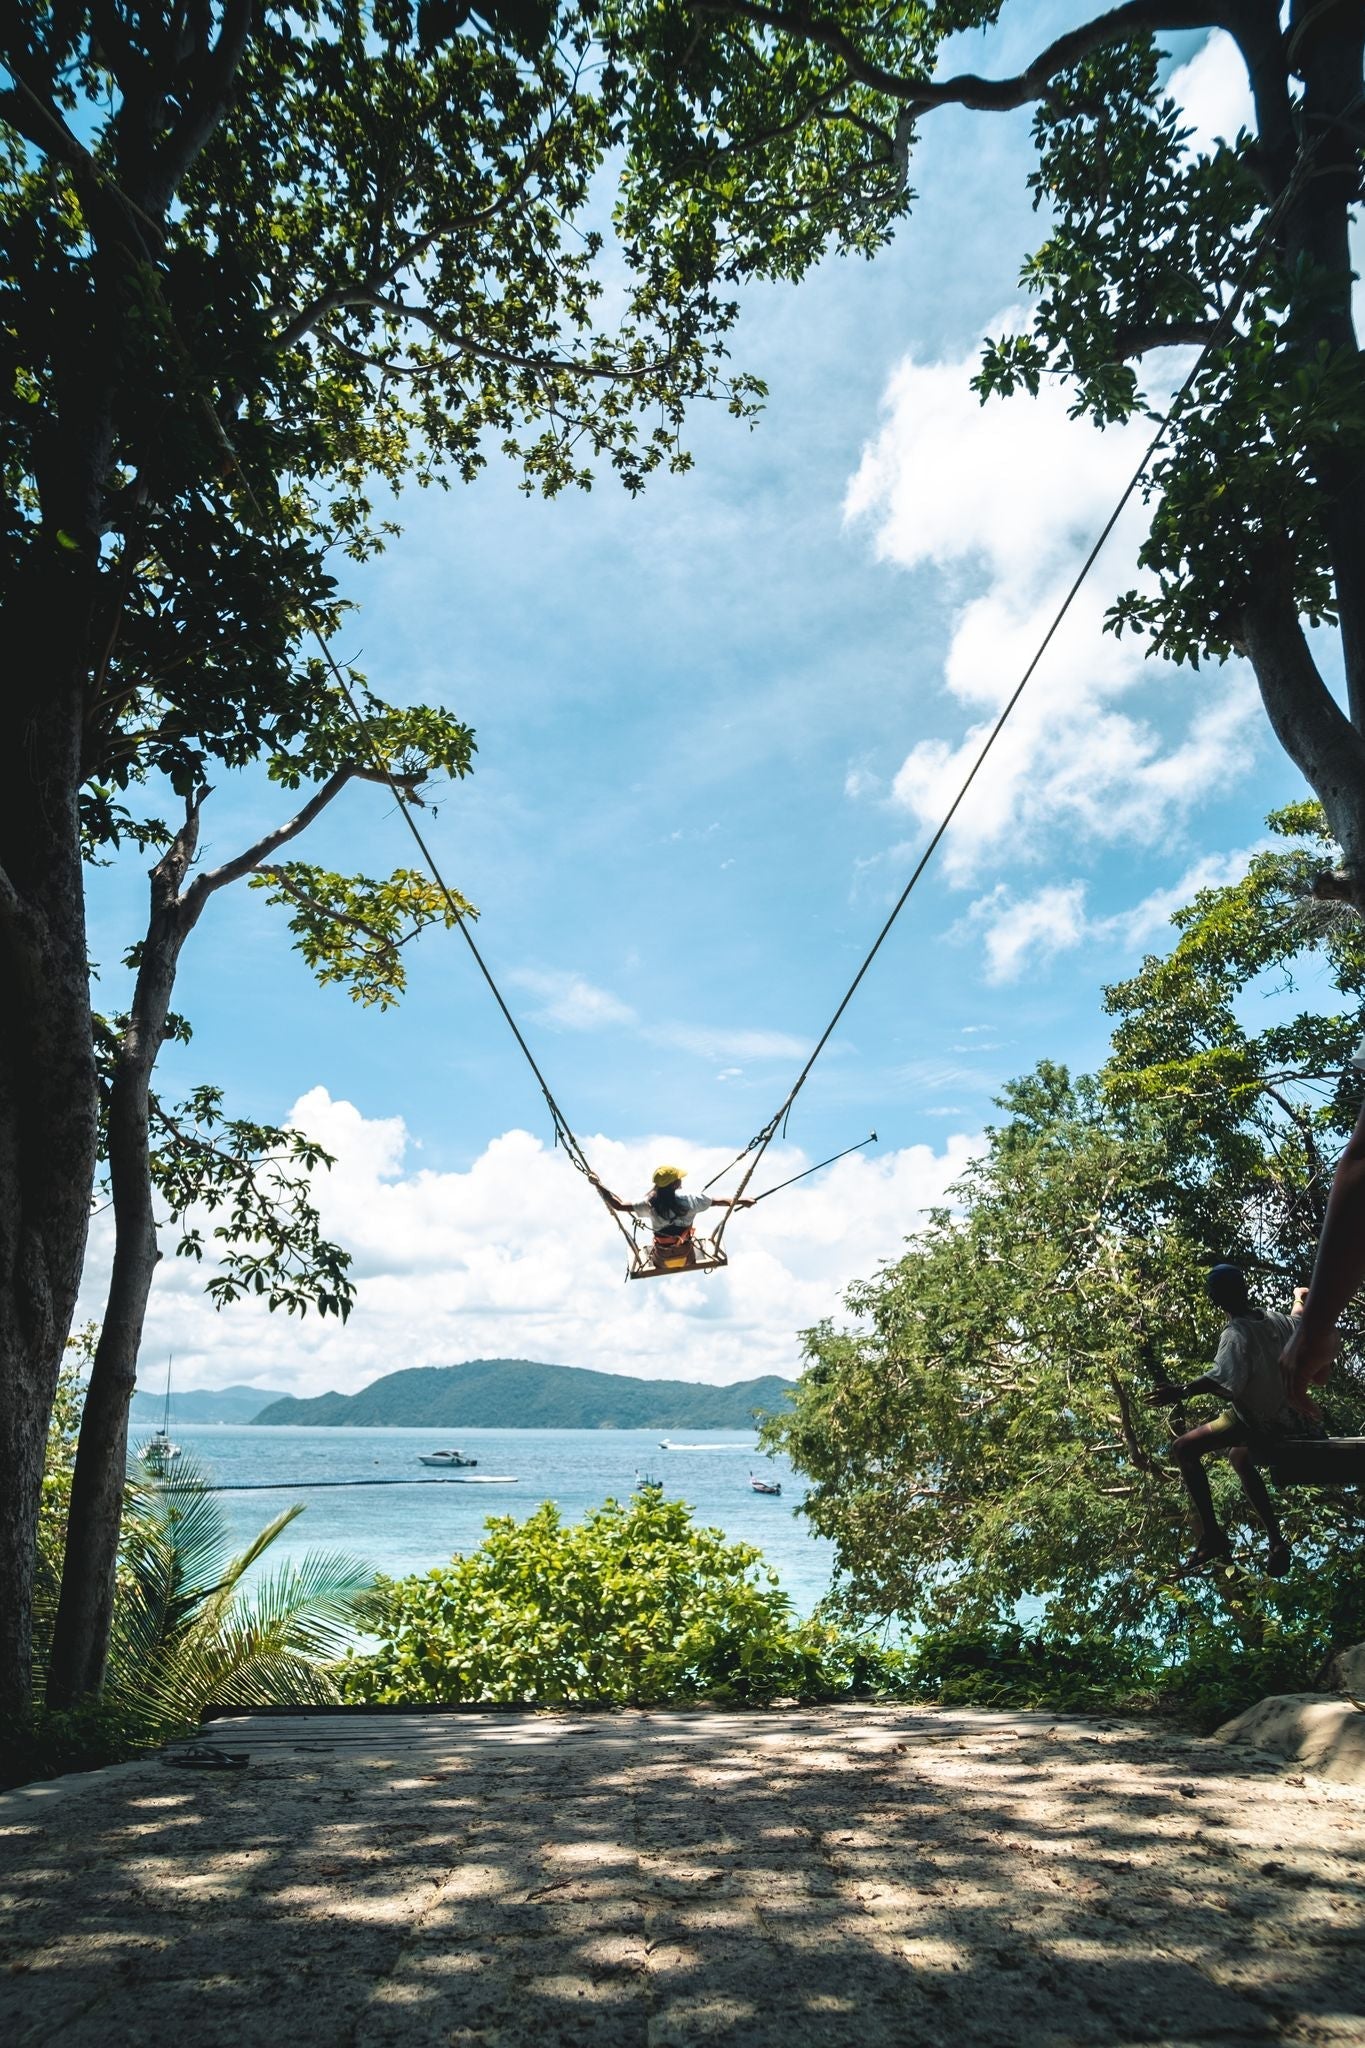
(648, 1479)
(161, 1452)
(764, 1485)
(449, 1460)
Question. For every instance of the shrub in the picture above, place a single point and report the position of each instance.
(633, 1605)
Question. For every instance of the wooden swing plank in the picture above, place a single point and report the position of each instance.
(1334, 1461)
(644, 1267)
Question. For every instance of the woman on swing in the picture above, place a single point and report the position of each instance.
(670, 1213)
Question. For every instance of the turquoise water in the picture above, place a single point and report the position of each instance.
(402, 1529)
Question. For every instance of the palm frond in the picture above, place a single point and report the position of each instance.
(190, 1631)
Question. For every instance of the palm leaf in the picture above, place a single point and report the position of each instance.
(190, 1632)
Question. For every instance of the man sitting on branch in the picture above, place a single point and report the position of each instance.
(1246, 1370)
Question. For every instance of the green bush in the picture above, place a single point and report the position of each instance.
(634, 1605)
(1011, 1666)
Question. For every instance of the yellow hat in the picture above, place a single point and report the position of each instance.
(665, 1176)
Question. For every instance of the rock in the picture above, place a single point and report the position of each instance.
(1325, 1734)
(1346, 1672)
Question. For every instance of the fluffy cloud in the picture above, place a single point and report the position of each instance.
(1019, 932)
(1002, 501)
(515, 1258)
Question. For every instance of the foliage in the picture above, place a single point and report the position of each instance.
(777, 118)
(194, 1623)
(769, 116)
(59, 1463)
(350, 929)
(270, 1242)
(190, 1625)
(977, 1433)
(309, 252)
(1008, 1665)
(1254, 1097)
(634, 1605)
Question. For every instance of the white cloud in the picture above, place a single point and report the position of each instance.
(1030, 928)
(516, 1258)
(1213, 92)
(1002, 501)
(568, 1000)
(1022, 932)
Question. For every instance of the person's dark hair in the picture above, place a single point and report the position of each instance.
(668, 1207)
(1227, 1285)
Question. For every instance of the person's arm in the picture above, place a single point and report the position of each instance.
(1338, 1270)
(1168, 1393)
(612, 1201)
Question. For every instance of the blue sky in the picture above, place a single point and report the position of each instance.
(714, 725)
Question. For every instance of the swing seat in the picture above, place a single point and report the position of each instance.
(1329, 1461)
(685, 1253)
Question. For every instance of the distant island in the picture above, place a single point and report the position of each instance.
(201, 1404)
(516, 1393)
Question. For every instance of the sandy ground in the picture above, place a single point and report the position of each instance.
(844, 1876)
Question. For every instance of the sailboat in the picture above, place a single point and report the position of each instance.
(161, 1452)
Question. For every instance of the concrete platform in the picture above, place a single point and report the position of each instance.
(852, 1878)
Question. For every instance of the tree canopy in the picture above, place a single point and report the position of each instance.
(976, 1430)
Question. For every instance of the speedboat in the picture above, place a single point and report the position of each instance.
(450, 1461)
(764, 1485)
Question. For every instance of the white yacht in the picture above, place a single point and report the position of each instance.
(450, 1461)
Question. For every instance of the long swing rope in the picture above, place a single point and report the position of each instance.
(761, 1140)
(759, 1143)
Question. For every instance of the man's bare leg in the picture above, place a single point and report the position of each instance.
(1256, 1491)
(1189, 1452)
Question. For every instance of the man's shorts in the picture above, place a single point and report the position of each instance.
(1229, 1430)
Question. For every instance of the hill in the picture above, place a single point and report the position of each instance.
(516, 1393)
(200, 1404)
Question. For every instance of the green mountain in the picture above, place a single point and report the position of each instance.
(515, 1393)
(200, 1404)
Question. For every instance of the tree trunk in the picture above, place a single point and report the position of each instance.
(85, 1612)
(48, 1119)
(1308, 722)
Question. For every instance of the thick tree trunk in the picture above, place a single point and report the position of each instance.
(85, 1613)
(48, 1120)
(1309, 724)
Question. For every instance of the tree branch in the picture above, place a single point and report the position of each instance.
(1309, 723)
(566, 365)
(209, 883)
(986, 95)
(246, 863)
(281, 880)
(1140, 341)
(208, 96)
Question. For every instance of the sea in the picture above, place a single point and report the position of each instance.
(407, 1528)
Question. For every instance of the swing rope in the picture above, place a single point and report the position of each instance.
(761, 1140)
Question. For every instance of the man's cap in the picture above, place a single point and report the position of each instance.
(1225, 1279)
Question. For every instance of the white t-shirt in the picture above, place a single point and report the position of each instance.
(1247, 1364)
(692, 1204)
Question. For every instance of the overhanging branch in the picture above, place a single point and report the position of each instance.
(985, 95)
